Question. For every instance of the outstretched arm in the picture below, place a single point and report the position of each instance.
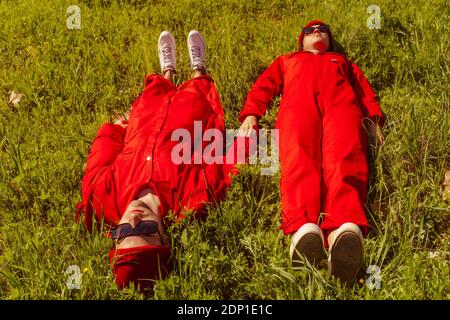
(366, 96)
(369, 105)
(268, 85)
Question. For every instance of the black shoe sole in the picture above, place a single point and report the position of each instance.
(346, 257)
(311, 247)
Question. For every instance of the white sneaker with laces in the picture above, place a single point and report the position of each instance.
(197, 50)
(167, 52)
(346, 252)
(307, 241)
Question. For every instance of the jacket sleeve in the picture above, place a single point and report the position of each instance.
(107, 144)
(208, 183)
(365, 95)
(268, 86)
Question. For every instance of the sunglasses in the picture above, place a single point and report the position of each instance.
(145, 227)
(322, 28)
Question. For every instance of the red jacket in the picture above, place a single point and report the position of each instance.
(122, 161)
(288, 71)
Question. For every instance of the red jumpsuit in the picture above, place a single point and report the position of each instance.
(323, 145)
(124, 161)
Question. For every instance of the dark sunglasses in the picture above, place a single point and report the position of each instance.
(322, 28)
(145, 227)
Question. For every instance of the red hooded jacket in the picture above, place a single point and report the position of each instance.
(123, 161)
(284, 75)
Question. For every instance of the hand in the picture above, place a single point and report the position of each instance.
(121, 120)
(123, 123)
(375, 135)
(246, 126)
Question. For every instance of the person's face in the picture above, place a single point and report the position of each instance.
(316, 41)
(136, 212)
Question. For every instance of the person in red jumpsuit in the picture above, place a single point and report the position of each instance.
(327, 103)
(136, 171)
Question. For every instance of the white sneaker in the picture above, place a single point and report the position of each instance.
(167, 52)
(346, 252)
(307, 241)
(197, 50)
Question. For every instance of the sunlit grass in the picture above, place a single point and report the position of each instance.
(73, 80)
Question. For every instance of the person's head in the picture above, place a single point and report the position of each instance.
(140, 259)
(315, 37)
(136, 212)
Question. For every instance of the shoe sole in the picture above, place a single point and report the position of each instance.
(346, 257)
(311, 247)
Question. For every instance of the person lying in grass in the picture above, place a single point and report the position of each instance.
(133, 177)
(326, 105)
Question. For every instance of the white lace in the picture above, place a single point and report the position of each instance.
(167, 55)
(197, 57)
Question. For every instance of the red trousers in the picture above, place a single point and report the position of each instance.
(324, 167)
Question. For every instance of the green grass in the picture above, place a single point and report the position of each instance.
(73, 80)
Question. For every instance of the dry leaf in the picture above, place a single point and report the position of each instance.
(14, 97)
(433, 254)
(446, 186)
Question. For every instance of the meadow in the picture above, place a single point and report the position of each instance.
(73, 80)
